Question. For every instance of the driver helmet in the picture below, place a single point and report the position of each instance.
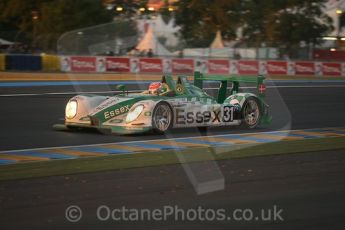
(157, 88)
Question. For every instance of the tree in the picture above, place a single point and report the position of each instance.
(44, 21)
(283, 22)
(286, 23)
(200, 19)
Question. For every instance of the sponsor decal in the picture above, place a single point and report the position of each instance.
(83, 64)
(65, 63)
(248, 67)
(218, 66)
(331, 69)
(277, 68)
(318, 68)
(262, 88)
(291, 68)
(114, 64)
(234, 67)
(304, 68)
(150, 65)
(201, 65)
(182, 66)
(101, 64)
(116, 112)
(111, 101)
(226, 114)
(262, 67)
(167, 65)
(134, 65)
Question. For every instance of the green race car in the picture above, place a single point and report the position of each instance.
(170, 104)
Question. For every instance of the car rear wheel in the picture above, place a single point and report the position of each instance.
(162, 118)
(251, 113)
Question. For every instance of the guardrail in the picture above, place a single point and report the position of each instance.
(143, 65)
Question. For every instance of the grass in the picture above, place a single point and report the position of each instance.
(117, 162)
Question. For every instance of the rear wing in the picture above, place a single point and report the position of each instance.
(235, 80)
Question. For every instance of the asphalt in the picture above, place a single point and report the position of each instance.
(308, 187)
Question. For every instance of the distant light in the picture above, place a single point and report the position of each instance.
(170, 8)
(329, 38)
(343, 39)
(151, 9)
(333, 49)
(110, 6)
(34, 15)
(80, 33)
(119, 8)
(339, 11)
(142, 9)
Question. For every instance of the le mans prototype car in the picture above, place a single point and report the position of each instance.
(170, 104)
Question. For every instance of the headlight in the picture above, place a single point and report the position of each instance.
(71, 109)
(134, 114)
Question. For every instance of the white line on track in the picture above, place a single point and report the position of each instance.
(137, 91)
(169, 139)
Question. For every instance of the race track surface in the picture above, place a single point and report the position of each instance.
(308, 187)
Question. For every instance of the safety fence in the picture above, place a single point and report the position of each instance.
(143, 65)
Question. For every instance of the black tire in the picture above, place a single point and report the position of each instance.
(251, 113)
(162, 123)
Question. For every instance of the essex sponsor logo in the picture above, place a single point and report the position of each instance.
(116, 112)
(200, 117)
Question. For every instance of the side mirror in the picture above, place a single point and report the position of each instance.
(122, 88)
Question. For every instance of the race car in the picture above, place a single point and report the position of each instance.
(170, 104)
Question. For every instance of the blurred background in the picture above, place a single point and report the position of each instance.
(234, 29)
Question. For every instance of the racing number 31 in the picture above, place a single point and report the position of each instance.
(228, 113)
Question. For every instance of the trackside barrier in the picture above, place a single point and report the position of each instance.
(205, 66)
(50, 62)
(23, 62)
(2, 62)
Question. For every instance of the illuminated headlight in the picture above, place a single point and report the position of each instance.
(71, 109)
(135, 113)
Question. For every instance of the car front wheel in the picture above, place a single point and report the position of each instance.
(162, 118)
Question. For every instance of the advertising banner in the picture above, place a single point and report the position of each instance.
(103, 64)
(277, 68)
(180, 66)
(331, 69)
(304, 68)
(218, 66)
(83, 64)
(150, 65)
(248, 67)
(116, 64)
